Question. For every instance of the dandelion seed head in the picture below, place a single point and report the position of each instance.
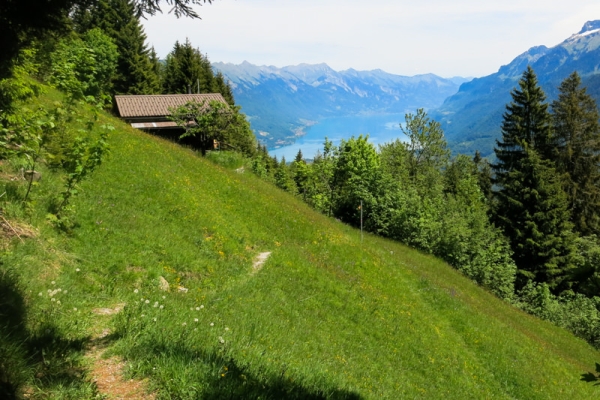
(77, 270)
(53, 299)
(64, 292)
(53, 282)
(195, 319)
(164, 297)
(197, 308)
(154, 319)
(147, 301)
(58, 302)
(202, 306)
(161, 307)
(212, 324)
(74, 308)
(184, 324)
(143, 315)
(40, 294)
(135, 291)
(226, 328)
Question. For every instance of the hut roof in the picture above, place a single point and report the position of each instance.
(136, 106)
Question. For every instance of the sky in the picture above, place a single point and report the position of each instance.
(469, 38)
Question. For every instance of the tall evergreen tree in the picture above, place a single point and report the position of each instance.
(187, 70)
(577, 130)
(135, 70)
(533, 212)
(526, 123)
(531, 205)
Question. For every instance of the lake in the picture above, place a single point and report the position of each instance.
(381, 129)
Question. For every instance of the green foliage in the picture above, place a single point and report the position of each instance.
(205, 123)
(188, 70)
(575, 312)
(83, 157)
(586, 275)
(577, 134)
(531, 205)
(534, 214)
(357, 178)
(426, 147)
(82, 68)
(135, 72)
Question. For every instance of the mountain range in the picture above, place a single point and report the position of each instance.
(281, 102)
(471, 118)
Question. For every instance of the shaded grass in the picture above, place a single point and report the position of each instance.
(328, 316)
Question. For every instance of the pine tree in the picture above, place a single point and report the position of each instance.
(135, 70)
(187, 70)
(575, 118)
(535, 217)
(531, 206)
(526, 123)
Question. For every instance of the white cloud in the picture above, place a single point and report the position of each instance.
(463, 37)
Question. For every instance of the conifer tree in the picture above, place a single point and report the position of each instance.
(577, 130)
(135, 71)
(526, 123)
(531, 206)
(221, 86)
(187, 70)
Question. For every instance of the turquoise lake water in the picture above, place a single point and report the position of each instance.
(381, 129)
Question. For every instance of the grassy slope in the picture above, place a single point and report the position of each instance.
(326, 316)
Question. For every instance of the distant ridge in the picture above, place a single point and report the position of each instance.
(471, 118)
(281, 101)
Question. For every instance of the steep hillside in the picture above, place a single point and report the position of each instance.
(471, 118)
(328, 315)
(281, 100)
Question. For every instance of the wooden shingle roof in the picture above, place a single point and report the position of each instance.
(137, 106)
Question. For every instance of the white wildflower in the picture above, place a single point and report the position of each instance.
(164, 297)
(58, 302)
(77, 270)
(226, 328)
(221, 340)
(40, 294)
(53, 299)
(195, 319)
(135, 291)
(154, 319)
(54, 283)
(147, 301)
(74, 308)
(197, 308)
(201, 306)
(212, 324)
(155, 304)
(161, 307)
(184, 324)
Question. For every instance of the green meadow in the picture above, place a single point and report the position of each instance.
(328, 315)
